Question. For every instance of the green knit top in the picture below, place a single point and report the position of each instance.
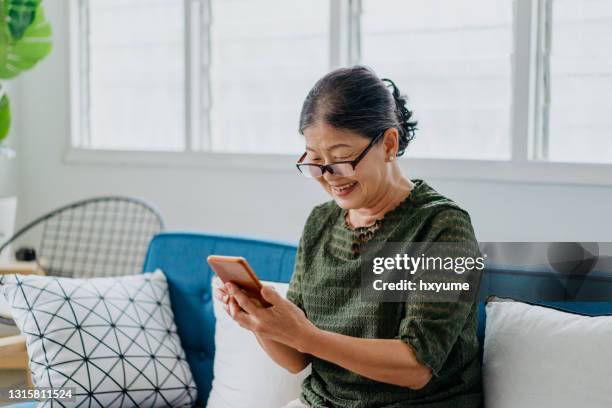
(326, 286)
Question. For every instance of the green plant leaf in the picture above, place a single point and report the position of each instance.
(5, 116)
(23, 54)
(20, 14)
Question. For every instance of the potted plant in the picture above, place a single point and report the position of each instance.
(25, 39)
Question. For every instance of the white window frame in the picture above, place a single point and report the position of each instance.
(528, 132)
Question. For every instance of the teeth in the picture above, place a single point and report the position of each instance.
(345, 186)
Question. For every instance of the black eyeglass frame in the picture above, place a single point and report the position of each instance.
(327, 167)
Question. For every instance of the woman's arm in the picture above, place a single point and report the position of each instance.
(287, 357)
(387, 360)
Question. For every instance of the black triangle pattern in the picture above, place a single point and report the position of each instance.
(112, 340)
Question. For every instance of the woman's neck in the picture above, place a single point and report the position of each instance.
(387, 200)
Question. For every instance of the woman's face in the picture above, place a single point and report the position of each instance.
(326, 144)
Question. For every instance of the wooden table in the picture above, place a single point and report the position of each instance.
(23, 268)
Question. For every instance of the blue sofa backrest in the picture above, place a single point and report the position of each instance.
(182, 257)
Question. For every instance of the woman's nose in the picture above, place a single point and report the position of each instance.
(329, 176)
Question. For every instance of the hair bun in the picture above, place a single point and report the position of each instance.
(407, 127)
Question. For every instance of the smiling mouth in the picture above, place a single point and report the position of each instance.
(344, 188)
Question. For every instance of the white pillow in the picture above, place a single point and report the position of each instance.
(537, 357)
(113, 341)
(244, 375)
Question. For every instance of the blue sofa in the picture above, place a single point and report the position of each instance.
(182, 257)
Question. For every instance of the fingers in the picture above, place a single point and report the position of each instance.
(242, 318)
(233, 308)
(242, 299)
(271, 295)
(221, 295)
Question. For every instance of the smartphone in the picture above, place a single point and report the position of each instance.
(237, 270)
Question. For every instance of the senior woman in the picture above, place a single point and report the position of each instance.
(365, 354)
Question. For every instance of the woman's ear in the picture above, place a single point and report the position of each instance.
(391, 143)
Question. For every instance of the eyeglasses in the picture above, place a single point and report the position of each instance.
(342, 169)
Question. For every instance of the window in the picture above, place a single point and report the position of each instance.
(580, 85)
(266, 55)
(135, 83)
(511, 81)
(216, 75)
(452, 59)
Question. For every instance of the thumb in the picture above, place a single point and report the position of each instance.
(271, 295)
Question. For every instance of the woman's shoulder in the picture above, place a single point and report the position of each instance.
(320, 217)
(323, 214)
(453, 220)
(325, 209)
(426, 199)
(437, 212)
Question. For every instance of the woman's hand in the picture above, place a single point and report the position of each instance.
(283, 322)
(221, 294)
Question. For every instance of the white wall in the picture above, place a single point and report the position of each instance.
(260, 203)
(8, 173)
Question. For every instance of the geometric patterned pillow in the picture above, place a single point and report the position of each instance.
(111, 341)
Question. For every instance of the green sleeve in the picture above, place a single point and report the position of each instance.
(432, 328)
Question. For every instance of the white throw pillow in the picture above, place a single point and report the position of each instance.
(244, 375)
(538, 357)
(112, 341)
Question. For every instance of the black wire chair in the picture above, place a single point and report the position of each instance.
(96, 237)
